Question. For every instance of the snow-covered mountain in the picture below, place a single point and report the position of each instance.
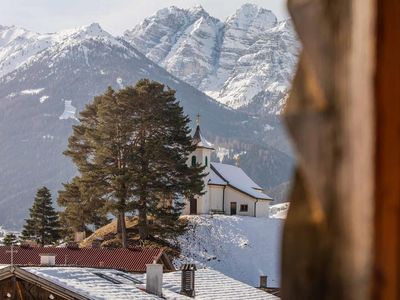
(246, 62)
(18, 45)
(43, 91)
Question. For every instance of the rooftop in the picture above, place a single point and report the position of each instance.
(200, 141)
(131, 260)
(223, 174)
(104, 284)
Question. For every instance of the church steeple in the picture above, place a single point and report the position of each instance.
(198, 119)
(198, 139)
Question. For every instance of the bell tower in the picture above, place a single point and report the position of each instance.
(201, 155)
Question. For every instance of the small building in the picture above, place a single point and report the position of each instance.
(67, 283)
(228, 189)
(129, 260)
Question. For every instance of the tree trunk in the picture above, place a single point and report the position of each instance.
(121, 229)
(142, 224)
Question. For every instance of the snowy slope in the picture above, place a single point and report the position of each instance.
(279, 211)
(241, 247)
(248, 58)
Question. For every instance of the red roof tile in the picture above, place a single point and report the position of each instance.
(131, 260)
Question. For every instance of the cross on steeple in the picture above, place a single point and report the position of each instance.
(198, 119)
(12, 251)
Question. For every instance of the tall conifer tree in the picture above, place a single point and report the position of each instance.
(82, 208)
(132, 146)
(42, 225)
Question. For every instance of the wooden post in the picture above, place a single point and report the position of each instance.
(387, 114)
(328, 236)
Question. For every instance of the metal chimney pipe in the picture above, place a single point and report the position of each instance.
(263, 281)
(187, 287)
(154, 279)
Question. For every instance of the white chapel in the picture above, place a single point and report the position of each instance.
(228, 189)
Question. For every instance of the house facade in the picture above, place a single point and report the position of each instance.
(228, 189)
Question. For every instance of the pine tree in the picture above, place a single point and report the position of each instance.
(131, 147)
(82, 208)
(42, 225)
(9, 239)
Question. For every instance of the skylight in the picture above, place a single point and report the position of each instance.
(108, 278)
(134, 280)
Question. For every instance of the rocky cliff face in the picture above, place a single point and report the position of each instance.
(245, 62)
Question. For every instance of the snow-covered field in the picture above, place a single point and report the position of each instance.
(241, 247)
(279, 211)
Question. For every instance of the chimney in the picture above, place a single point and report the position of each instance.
(79, 236)
(47, 259)
(263, 281)
(187, 287)
(154, 278)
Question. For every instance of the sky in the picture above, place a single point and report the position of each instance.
(115, 16)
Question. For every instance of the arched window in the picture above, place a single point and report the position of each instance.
(206, 161)
(193, 160)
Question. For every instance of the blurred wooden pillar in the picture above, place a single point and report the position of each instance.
(387, 112)
(328, 237)
(342, 235)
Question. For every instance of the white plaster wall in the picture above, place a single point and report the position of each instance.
(232, 195)
(203, 202)
(262, 209)
(216, 195)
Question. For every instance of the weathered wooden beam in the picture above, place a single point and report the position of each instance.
(327, 244)
(387, 113)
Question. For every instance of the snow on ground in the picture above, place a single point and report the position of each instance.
(69, 111)
(221, 153)
(120, 82)
(32, 91)
(240, 247)
(43, 98)
(279, 211)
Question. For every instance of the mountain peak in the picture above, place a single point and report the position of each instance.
(11, 33)
(87, 32)
(249, 14)
(93, 29)
(197, 9)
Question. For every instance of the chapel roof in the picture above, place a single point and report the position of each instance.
(200, 141)
(224, 174)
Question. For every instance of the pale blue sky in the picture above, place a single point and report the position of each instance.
(114, 16)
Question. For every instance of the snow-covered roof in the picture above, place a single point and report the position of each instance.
(211, 284)
(215, 179)
(237, 178)
(104, 284)
(85, 282)
(200, 141)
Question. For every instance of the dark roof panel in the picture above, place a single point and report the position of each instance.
(131, 260)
